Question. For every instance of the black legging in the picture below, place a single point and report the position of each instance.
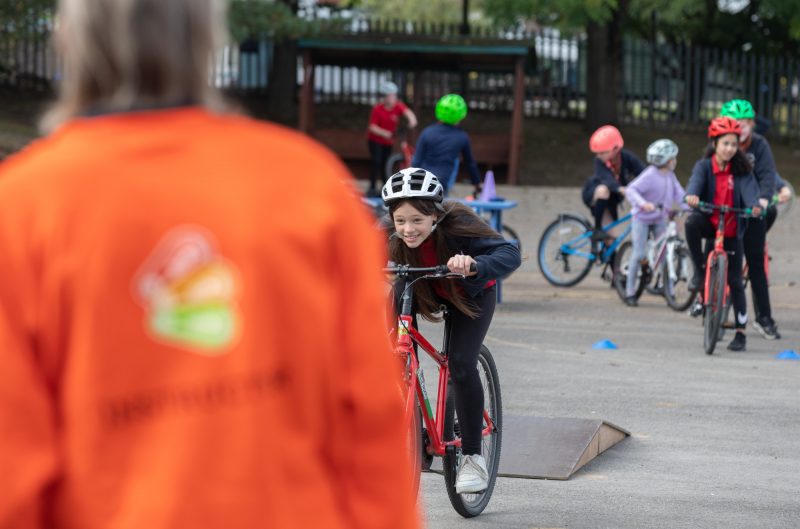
(378, 154)
(699, 227)
(601, 205)
(772, 214)
(754, 241)
(465, 339)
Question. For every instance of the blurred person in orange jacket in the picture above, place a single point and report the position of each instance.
(187, 338)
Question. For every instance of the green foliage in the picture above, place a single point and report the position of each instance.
(771, 26)
(448, 11)
(249, 19)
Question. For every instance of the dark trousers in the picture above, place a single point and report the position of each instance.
(699, 227)
(755, 238)
(378, 154)
(465, 338)
(602, 205)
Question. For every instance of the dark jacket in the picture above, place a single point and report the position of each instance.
(630, 169)
(759, 155)
(439, 149)
(496, 258)
(703, 183)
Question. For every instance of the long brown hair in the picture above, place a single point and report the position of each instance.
(120, 55)
(453, 219)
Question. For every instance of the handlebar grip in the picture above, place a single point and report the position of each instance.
(473, 268)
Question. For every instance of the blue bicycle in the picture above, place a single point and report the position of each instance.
(569, 247)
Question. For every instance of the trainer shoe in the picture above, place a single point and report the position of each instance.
(472, 475)
(696, 309)
(767, 328)
(739, 342)
(631, 301)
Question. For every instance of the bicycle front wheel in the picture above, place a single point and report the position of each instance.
(677, 270)
(469, 505)
(622, 260)
(414, 446)
(565, 254)
(715, 304)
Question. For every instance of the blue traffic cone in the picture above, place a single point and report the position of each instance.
(788, 355)
(489, 192)
(605, 344)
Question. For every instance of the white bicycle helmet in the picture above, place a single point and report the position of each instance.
(412, 182)
(661, 151)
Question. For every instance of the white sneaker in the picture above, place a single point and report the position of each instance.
(472, 475)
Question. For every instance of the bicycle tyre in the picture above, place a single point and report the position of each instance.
(565, 228)
(394, 163)
(715, 304)
(622, 259)
(415, 447)
(470, 505)
(677, 292)
(510, 234)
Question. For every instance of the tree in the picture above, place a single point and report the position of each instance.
(769, 26)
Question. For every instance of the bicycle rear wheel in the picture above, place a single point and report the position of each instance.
(394, 163)
(676, 287)
(469, 505)
(715, 304)
(563, 251)
(622, 259)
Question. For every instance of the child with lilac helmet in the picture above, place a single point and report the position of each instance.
(660, 152)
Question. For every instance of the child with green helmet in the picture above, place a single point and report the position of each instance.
(757, 150)
(441, 146)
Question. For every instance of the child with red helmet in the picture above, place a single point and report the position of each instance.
(614, 167)
(723, 177)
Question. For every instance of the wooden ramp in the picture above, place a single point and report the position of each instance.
(551, 448)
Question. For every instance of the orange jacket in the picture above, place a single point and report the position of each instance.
(191, 333)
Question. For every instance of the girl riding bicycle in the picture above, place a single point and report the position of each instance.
(614, 167)
(428, 232)
(723, 177)
(655, 186)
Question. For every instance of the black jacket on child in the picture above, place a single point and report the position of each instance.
(703, 183)
(630, 169)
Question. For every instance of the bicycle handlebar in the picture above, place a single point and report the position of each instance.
(433, 271)
(742, 212)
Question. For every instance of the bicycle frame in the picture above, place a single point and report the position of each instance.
(571, 247)
(406, 337)
(664, 245)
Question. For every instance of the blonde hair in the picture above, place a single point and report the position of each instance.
(121, 55)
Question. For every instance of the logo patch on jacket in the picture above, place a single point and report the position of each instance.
(189, 293)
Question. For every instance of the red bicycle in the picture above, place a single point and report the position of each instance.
(716, 291)
(437, 434)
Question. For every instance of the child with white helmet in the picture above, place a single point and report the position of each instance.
(652, 194)
(429, 231)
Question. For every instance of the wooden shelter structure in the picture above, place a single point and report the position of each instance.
(418, 55)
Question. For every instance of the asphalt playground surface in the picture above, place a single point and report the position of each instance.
(715, 440)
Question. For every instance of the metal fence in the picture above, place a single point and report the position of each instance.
(661, 85)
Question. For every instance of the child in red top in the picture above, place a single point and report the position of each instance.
(383, 121)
